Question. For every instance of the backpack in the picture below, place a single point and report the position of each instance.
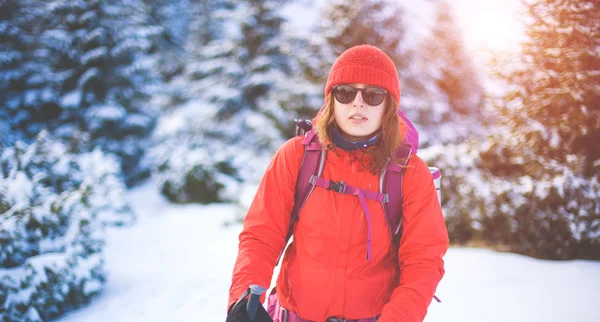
(390, 179)
(312, 167)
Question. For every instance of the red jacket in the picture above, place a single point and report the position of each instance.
(325, 272)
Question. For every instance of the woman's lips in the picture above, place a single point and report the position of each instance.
(357, 118)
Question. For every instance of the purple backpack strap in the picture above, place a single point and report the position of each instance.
(312, 164)
(391, 184)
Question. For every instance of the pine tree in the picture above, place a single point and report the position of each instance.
(94, 75)
(258, 64)
(348, 23)
(450, 120)
(208, 21)
(242, 92)
(50, 234)
(546, 155)
(173, 19)
(19, 80)
(189, 25)
(455, 94)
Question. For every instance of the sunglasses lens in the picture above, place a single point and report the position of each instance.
(344, 94)
(373, 95)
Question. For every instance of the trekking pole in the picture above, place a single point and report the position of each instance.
(254, 300)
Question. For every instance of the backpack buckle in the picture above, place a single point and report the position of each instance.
(386, 198)
(337, 186)
(334, 319)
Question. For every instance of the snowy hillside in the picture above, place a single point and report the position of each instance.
(176, 264)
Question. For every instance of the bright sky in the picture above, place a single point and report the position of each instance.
(485, 24)
(493, 24)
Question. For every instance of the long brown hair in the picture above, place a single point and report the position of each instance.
(393, 132)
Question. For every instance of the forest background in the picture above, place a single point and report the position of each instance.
(194, 96)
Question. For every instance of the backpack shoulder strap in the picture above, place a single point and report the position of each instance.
(390, 183)
(312, 164)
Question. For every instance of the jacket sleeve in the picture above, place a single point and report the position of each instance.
(266, 224)
(424, 243)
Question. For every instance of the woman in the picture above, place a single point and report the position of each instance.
(325, 275)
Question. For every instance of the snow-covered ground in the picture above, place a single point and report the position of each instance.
(175, 265)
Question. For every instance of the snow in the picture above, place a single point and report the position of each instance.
(300, 15)
(138, 120)
(92, 73)
(98, 34)
(8, 57)
(110, 112)
(58, 39)
(175, 264)
(482, 285)
(94, 55)
(172, 266)
(21, 188)
(71, 100)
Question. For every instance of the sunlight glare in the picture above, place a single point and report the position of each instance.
(490, 25)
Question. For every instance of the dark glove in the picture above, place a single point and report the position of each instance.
(238, 314)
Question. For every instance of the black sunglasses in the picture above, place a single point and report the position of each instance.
(371, 95)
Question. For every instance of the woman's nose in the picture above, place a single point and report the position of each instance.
(358, 100)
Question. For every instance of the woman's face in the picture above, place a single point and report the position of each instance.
(357, 119)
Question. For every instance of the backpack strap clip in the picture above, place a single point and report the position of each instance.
(337, 186)
(328, 184)
(386, 198)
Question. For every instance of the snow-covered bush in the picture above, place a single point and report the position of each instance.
(464, 189)
(104, 173)
(54, 166)
(53, 207)
(51, 258)
(196, 158)
(549, 211)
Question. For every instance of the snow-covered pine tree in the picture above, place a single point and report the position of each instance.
(109, 196)
(19, 79)
(239, 103)
(453, 107)
(188, 26)
(51, 252)
(207, 22)
(97, 78)
(547, 160)
(53, 205)
(450, 119)
(259, 64)
(347, 23)
(12, 48)
(173, 18)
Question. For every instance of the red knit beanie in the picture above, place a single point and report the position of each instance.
(364, 64)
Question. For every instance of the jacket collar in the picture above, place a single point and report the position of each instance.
(340, 141)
